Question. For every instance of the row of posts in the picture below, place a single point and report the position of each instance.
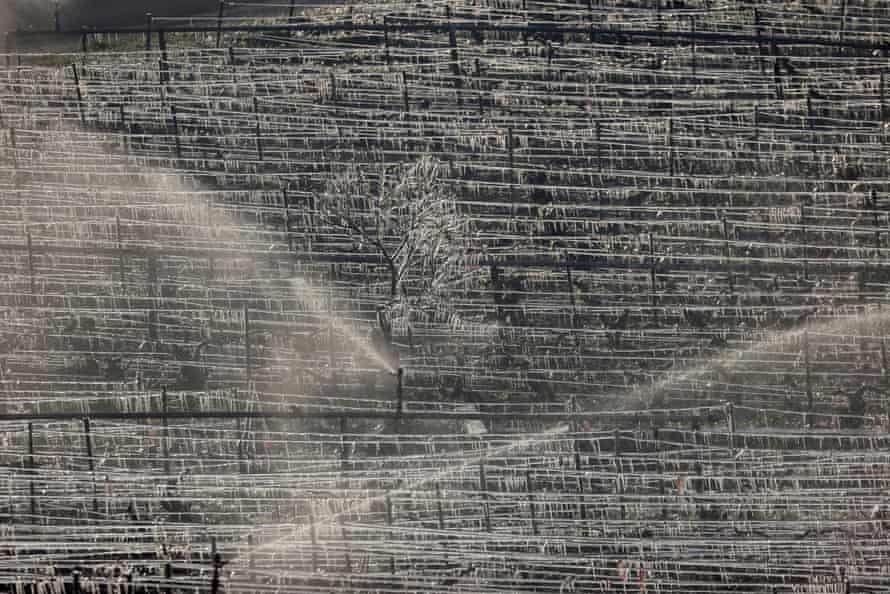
(456, 72)
(221, 15)
(152, 278)
(483, 486)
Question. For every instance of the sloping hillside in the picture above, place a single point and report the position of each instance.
(491, 296)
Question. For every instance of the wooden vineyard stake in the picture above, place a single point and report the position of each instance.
(883, 100)
(440, 515)
(168, 577)
(32, 470)
(777, 72)
(216, 559)
(730, 426)
(84, 42)
(332, 337)
(727, 257)
(579, 468)
(77, 90)
(843, 23)
(31, 281)
(120, 250)
(286, 214)
(164, 62)
(807, 377)
(572, 302)
(400, 399)
(619, 469)
(692, 31)
(148, 24)
(659, 20)
(455, 59)
(483, 492)
(885, 376)
(804, 232)
(176, 140)
(669, 142)
(727, 252)
(88, 446)
(406, 104)
(347, 557)
(243, 468)
(313, 536)
(599, 159)
(809, 108)
(529, 489)
(386, 55)
(480, 86)
(549, 76)
(510, 173)
(13, 144)
(291, 11)
(125, 129)
(219, 21)
(392, 559)
(759, 33)
(653, 290)
(756, 122)
(211, 272)
(165, 431)
(497, 286)
(659, 469)
(344, 451)
(152, 273)
(248, 368)
(332, 78)
(259, 128)
(525, 18)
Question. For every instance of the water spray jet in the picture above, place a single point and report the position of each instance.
(872, 320)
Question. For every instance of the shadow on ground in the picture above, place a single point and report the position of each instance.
(75, 14)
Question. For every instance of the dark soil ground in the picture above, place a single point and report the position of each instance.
(74, 14)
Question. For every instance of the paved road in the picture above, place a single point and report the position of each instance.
(38, 14)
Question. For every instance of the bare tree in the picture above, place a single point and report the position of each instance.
(406, 213)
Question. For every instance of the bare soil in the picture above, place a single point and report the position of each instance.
(75, 14)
